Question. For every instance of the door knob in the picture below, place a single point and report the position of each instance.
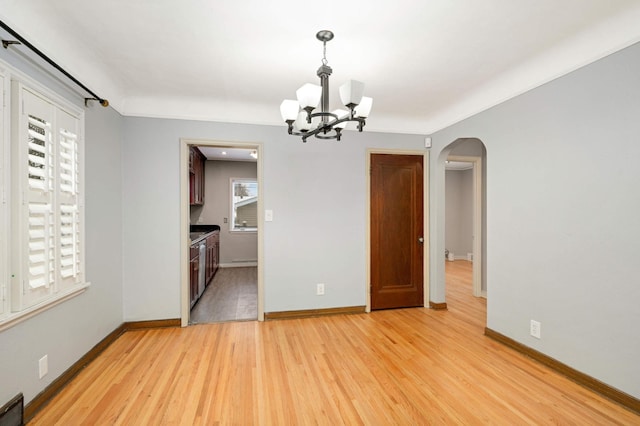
(420, 240)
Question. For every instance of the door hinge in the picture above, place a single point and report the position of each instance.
(3, 292)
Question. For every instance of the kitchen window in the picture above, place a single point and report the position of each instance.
(43, 239)
(244, 204)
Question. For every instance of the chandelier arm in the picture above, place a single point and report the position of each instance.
(324, 114)
(322, 128)
(326, 137)
(290, 125)
(360, 120)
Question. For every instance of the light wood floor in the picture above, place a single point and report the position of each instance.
(232, 295)
(395, 367)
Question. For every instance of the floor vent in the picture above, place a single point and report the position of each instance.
(12, 413)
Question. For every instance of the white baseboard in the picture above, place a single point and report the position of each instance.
(458, 258)
(239, 264)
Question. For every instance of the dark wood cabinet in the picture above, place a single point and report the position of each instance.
(213, 255)
(196, 176)
(194, 269)
(208, 260)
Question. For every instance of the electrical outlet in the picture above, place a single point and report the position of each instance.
(534, 329)
(43, 366)
(320, 289)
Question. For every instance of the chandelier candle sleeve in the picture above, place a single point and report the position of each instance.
(310, 115)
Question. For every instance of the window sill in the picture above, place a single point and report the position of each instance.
(244, 231)
(14, 318)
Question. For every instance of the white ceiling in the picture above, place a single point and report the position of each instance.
(228, 154)
(427, 64)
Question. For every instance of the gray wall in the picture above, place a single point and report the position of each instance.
(317, 191)
(459, 212)
(562, 216)
(234, 246)
(69, 330)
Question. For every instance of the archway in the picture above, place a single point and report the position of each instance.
(474, 151)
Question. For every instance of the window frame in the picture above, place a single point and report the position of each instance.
(12, 242)
(4, 193)
(232, 212)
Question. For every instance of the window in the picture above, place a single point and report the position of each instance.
(46, 233)
(244, 204)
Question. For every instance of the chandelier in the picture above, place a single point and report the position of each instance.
(300, 116)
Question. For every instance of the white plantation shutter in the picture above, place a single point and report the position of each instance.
(50, 220)
(68, 200)
(36, 144)
(39, 246)
(41, 198)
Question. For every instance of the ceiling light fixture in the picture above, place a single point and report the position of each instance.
(299, 115)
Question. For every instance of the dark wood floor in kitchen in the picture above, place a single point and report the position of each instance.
(232, 295)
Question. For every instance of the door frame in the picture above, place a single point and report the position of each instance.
(184, 220)
(425, 218)
(477, 220)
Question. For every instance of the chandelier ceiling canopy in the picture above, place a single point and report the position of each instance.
(309, 115)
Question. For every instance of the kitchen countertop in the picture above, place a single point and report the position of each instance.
(199, 232)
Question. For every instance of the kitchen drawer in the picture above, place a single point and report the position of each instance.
(194, 251)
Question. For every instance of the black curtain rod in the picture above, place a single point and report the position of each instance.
(21, 40)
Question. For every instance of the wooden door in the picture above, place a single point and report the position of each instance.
(397, 234)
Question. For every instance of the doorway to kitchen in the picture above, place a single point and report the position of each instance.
(220, 217)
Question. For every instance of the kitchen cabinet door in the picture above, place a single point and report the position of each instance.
(213, 244)
(196, 176)
(194, 269)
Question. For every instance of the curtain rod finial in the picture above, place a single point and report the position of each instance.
(103, 102)
(7, 43)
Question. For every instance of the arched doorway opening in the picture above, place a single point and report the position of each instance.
(461, 232)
